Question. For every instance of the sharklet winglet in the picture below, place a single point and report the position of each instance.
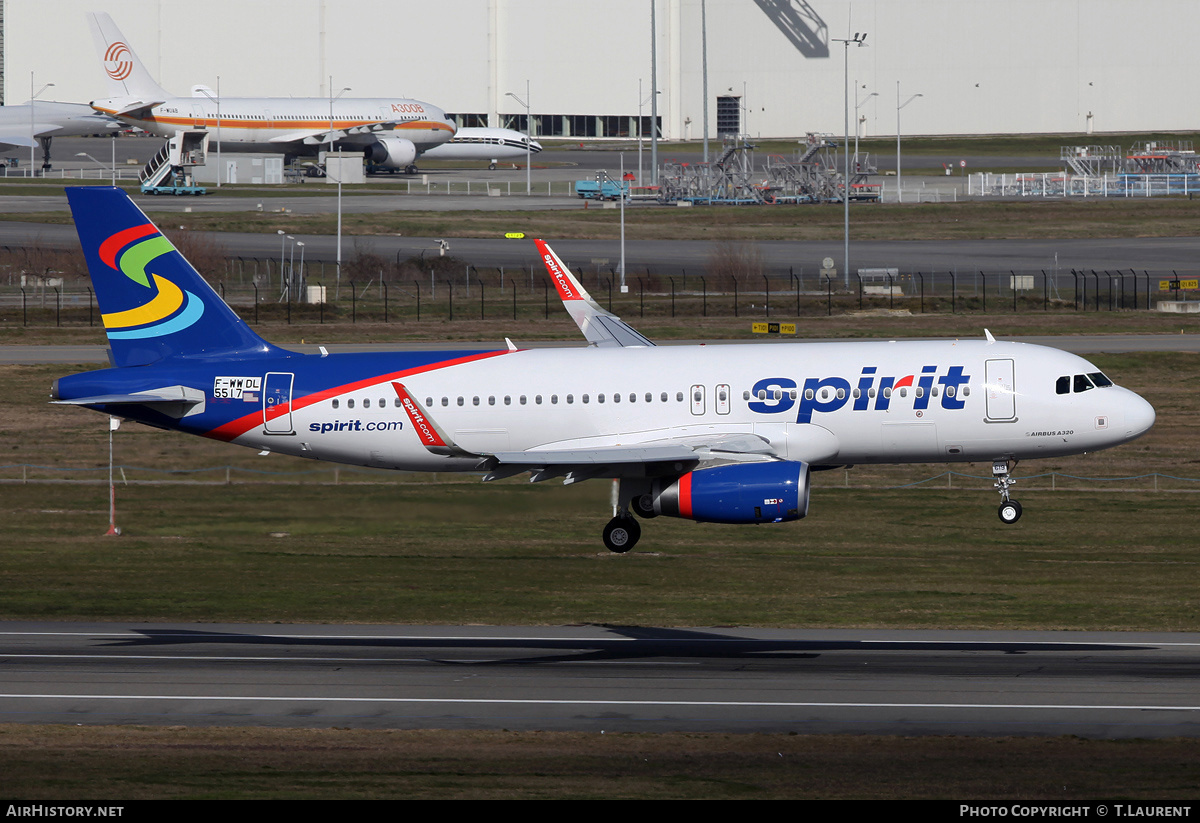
(599, 327)
(431, 435)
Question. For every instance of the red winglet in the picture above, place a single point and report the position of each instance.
(421, 424)
(558, 273)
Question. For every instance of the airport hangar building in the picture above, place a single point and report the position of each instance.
(775, 68)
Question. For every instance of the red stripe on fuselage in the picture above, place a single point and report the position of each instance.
(236, 428)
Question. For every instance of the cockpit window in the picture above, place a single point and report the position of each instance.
(1082, 383)
(1063, 385)
(1100, 380)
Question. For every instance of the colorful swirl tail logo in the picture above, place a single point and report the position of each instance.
(118, 61)
(167, 309)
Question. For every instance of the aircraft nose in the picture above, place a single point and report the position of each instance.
(1139, 415)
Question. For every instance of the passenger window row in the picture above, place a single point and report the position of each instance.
(1081, 383)
(554, 399)
(366, 402)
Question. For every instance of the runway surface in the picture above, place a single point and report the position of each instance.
(597, 678)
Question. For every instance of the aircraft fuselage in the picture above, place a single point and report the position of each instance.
(823, 403)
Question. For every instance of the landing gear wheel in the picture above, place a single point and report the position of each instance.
(410, 169)
(643, 506)
(621, 534)
(1010, 511)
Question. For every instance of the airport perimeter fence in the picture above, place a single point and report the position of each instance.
(263, 292)
(864, 477)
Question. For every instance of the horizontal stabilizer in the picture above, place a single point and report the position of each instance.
(174, 401)
(133, 108)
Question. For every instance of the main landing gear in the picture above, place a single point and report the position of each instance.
(1010, 510)
(623, 531)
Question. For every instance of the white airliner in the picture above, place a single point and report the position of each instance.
(42, 121)
(492, 145)
(391, 132)
(722, 434)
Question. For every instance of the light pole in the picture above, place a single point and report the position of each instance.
(858, 119)
(859, 39)
(32, 137)
(98, 163)
(338, 284)
(653, 88)
(291, 279)
(216, 100)
(528, 135)
(300, 290)
(899, 106)
(642, 101)
(624, 288)
(704, 71)
(282, 240)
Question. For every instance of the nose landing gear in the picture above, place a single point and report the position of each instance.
(1010, 510)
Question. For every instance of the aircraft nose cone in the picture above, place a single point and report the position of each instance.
(1139, 415)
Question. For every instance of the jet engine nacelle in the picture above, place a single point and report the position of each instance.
(772, 492)
(391, 152)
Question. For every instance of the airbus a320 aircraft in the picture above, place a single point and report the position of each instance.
(391, 132)
(721, 434)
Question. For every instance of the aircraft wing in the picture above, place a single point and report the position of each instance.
(309, 137)
(662, 455)
(601, 328)
(10, 140)
(318, 137)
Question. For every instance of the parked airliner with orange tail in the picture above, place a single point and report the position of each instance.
(720, 434)
(390, 131)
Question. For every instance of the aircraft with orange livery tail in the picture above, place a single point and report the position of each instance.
(391, 132)
(711, 433)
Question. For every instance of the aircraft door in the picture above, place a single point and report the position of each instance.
(200, 118)
(277, 403)
(722, 398)
(1001, 390)
(697, 397)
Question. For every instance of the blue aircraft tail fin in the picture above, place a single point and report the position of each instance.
(154, 304)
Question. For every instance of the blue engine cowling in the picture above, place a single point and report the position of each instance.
(772, 492)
